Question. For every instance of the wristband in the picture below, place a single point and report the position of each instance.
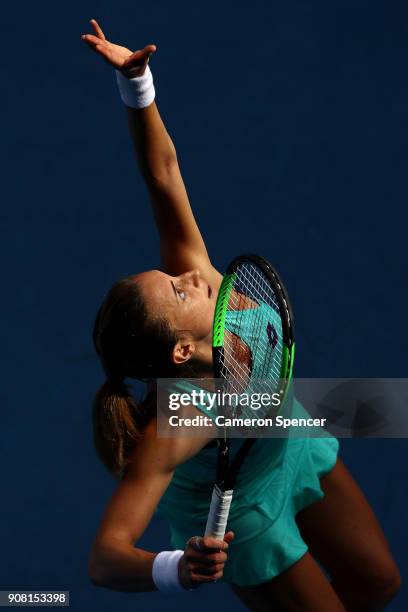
(165, 571)
(137, 92)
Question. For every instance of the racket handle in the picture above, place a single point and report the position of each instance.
(218, 514)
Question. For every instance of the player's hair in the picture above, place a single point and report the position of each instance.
(131, 343)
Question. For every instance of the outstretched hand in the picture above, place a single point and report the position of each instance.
(132, 64)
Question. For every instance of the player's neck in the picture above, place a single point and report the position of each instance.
(203, 357)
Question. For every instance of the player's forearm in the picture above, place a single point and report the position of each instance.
(121, 567)
(154, 148)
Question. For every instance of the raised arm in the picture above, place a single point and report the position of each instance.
(182, 247)
(181, 244)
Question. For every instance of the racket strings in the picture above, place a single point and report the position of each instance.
(259, 358)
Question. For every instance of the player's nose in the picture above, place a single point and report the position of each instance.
(194, 277)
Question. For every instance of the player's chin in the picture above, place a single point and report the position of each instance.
(204, 338)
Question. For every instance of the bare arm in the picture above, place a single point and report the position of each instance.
(114, 561)
(181, 244)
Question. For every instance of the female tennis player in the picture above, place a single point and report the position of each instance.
(302, 536)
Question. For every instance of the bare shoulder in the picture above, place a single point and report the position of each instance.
(153, 453)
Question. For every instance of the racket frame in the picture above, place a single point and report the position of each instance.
(226, 476)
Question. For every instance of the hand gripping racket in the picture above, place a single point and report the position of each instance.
(253, 339)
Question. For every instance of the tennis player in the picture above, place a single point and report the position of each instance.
(302, 536)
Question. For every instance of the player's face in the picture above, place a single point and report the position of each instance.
(186, 301)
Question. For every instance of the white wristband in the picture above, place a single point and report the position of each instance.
(137, 92)
(165, 571)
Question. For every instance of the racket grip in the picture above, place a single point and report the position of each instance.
(218, 514)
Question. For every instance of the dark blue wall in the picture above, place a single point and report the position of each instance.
(290, 120)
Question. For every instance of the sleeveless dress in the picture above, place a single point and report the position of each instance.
(279, 477)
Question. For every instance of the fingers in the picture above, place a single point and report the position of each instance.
(140, 57)
(229, 537)
(96, 44)
(204, 559)
(203, 570)
(208, 560)
(198, 573)
(98, 29)
(196, 543)
(150, 49)
(208, 544)
(92, 40)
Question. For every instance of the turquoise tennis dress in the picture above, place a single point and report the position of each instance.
(279, 477)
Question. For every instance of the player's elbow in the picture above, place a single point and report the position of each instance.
(163, 173)
(96, 569)
(95, 575)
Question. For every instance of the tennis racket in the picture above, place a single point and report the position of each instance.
(253, 339)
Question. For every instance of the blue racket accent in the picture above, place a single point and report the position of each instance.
(272, 335)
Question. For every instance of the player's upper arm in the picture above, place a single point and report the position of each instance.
(149, 473)
(182, 247)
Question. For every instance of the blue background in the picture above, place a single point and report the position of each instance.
(290, 121)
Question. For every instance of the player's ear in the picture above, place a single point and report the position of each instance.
(183, 350)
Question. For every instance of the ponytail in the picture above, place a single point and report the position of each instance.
(130, 344)
(117, 423)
